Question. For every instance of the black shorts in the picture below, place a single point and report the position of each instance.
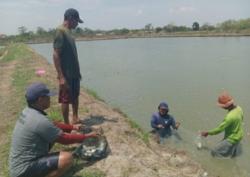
(42, 166)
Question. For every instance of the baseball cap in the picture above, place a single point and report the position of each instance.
(72, 14)
(163, 105)
(36, 90)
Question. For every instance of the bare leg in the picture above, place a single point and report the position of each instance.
(65, 112)
(64, 163)
(75, 105)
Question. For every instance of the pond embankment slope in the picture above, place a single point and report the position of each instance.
(133, 152)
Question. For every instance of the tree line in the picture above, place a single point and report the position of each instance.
(42, 35)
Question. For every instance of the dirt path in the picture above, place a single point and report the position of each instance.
(6, 71)
(130, 155)
(6, 111)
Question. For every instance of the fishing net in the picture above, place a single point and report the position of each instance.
(93, 148)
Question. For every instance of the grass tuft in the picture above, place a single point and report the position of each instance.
(94, 94)
(93, 173)
(21, 78)
(16, 51)
(55, 115)
(140, 132)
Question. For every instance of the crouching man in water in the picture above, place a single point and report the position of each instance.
(34, 135)
(162, 122)
(231, 125)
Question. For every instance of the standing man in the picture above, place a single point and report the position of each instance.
(231, 125)
(67, 66)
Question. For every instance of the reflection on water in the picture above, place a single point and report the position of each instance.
(189, 73)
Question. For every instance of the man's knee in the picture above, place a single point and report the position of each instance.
(65, 159)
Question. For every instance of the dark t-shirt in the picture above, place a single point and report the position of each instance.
(69, 58)
(31, 139)
(166, 121)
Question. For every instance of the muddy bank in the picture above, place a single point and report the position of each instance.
(133, 153)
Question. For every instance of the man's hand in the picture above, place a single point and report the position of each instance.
(205, 134)
(98, 130)
(78, 127)
(91, 134)
(62, 81)
(177, 124)
(160, 126)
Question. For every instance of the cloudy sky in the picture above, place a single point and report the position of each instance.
(111, 14)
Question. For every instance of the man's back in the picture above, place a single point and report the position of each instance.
(234, 132)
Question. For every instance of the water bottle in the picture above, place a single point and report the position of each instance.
(198, 142)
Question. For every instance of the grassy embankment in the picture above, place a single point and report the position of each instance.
(17, 69)
(21, 59)
(11, 95)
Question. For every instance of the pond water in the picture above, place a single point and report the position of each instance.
(189, 73)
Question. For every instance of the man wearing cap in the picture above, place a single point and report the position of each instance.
(67, 66)
(162, 122)
(231, 125)
(34, 135)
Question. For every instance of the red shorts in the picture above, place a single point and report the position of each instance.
(71, 93)
(64, 96)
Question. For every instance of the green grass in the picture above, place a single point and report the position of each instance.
(16, 102)
(2, 51)
(92, 173)
(23, 75)
(94, 94)
(21, 79)
(16, 51)
(140, 132)
(83, 110)
(55, 115)
(120, 111)
(4, 154)
(78, 170)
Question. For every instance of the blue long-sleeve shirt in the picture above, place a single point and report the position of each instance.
(166, 121)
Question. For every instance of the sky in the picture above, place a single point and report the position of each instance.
(117, 14)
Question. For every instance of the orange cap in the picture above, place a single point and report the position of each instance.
(225, 100)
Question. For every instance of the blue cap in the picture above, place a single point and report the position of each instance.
(35, 90)
(163, 105)
(72, 14)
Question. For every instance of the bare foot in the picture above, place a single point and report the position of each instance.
(75, 120)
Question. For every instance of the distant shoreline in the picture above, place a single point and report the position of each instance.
(175, 35)
(139, 36)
